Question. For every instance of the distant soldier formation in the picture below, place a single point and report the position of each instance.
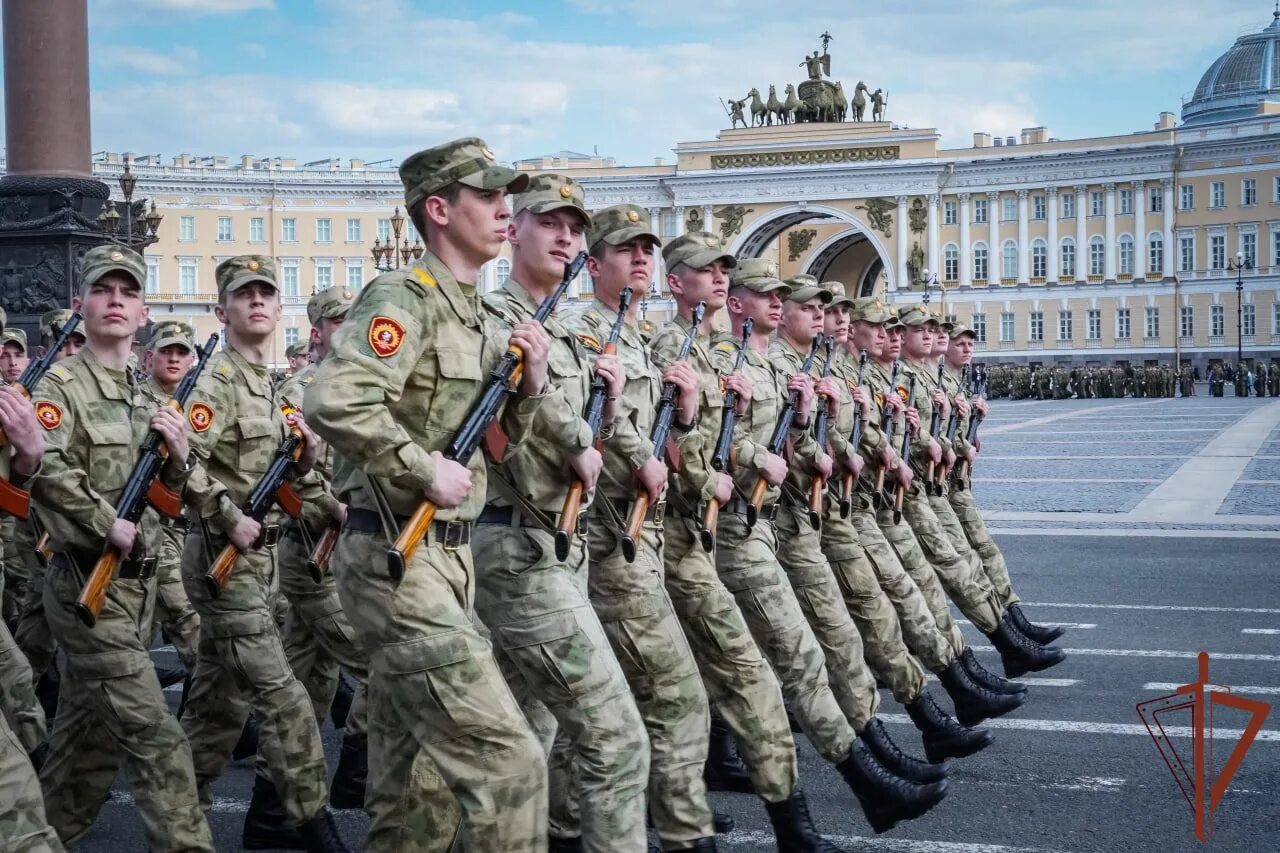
(1022, 382)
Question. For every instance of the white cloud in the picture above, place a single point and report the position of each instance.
(180, 61)
(204, 7)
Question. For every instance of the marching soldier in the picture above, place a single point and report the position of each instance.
(299, 356)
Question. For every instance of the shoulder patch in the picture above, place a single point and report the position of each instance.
(852, 383)
(385, 336)
(49, 415)
(200, 415)
(903, 392)
(590, 343)
(60, 374)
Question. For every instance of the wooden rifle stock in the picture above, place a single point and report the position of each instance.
(220, 572)
(568, 524)
(318, 561)
(635, 525)
(710, 520)
(94, 592)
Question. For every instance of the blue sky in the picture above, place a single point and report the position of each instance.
(380, 78)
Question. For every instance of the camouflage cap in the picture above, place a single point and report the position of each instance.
(869, 309)
(696, 249)
(959, 330)
(619, 224)
(14, 336)
(234, 273)
(169, 334)
(466, 161)
(101, 260)
(838, 296)
(330, 303)
(548, 192)
(894, 321)
(805, 287)
(759, 275)
(57, 317)
(301, 348)
(916, 315)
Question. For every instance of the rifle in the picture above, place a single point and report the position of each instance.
(935, 432)
(979, 390)
(318, 560)
(595, 414)
(900, 492)
(658, 436)
(886, 425)
(820, 436)
(142, 488)
(269, 490)
(855, 438)
(502, 382)
(953, 424)
(15, 501)
(783, 427)
(720, 459)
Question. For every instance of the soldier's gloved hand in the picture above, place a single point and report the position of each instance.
(833, 390)
(854, 465)
(913, 418)
(18, 420)
(962, 406)
(935, 451)
(534, 342)
(724, 489)
(803, 385)
(244, 535)
(823, 465)
(587, 465)
(173, 429)
(775, 470)
(739, 383)
(652, 477)
(685, 378)
(121, 536)
(451, 484)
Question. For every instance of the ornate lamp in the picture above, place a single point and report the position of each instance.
(152, 219)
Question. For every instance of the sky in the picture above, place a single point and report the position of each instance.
(379, 79)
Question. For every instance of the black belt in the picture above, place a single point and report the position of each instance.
(82, 561)
(738, 506)
(509, 516)
(450, 534)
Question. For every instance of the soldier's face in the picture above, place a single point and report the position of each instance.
(113, 307)
(917, 341)
(893, 344)
(475, 224)
(73, 345)
(322, 334)
(941, 343)
(252, 311)
(542, 243)
(960, 352)
(297, 362)
(171, 363)
(803, 320)
(835, 323)
(13, 360)
(619, 267)
(708, 284)
(764, 309)
(870, 337)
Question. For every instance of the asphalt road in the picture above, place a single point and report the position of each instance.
(1146, 586)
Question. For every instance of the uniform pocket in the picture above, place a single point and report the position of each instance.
(560, 660)
(442, 674)
(256, 446)
(110, 456)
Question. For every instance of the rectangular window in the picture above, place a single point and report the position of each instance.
(1093, 324)
(1275, 190)
(1218, 194)
(1035, 326)
(289, 277)
(1009, 261)
(1186, 254)
(153, 275)
(1096, 204)
(1217, 252)
(669, 223)
(187, 277)
(1038, 207)
(949, 216)
(1249, 319)
(1068, 205)
(979, 325)
(1126, 257)
(1122, 323)
(1249, 248)
(257, 230)
(1039, 261)
(1152, 327)
(1155, 258)
(1126, 201)
(411, 234)
(1068, 262)
(1006, 326)
(384, 230)
(355, 274)
(1097, 258)
(1275, 318)
(1008, 208)
(1064, 325)
(290, 337)
(979, 210)
(951, 265)
(353, 231)
(1217, 321)
(224, 229)
(187, 228)
(1186, 321)
(980, 264)
(324, 275)
(1249, 192)
(289, 230)
(324, 230)
(1186, 197)
(1155, 200)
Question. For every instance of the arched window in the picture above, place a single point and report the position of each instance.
(1039, 258)
(1125, 247)
(1097, 256)
(980, 262)
(1009, 259)
(951, 263)
(1067, 260)
(501, 272)
(1155, 255)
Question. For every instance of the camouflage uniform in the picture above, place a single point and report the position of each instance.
(237, 424)
(23, 827)
(111, 706)
(552, 646)
(447, 740)
(629, 598)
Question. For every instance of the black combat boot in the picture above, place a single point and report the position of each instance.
(986, 678)
(876, 736)
(722, 823)
(1042, 634)
(564, 845)
(170, 675)
(247, 746)
(975, 703)
(725, 770)
(347, 789)
(943, 736)
(321, 834)
(886, 798)
(266, 826)
(341, 705)
(1019, 653)
(704, 845)
(793, 826)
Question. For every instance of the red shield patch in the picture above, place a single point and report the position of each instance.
(385, 336)
(200, 417)
(49, 415)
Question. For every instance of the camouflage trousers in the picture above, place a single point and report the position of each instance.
(957, 566)
(173, 611)
(21, 709)
(32, 633)
(553, 650)
(23, 827)
(111, 711)
(910, 557)
(823, 603)
(975, 530)
(14, 573)
(746, 559)
(241, 667)
(449, 750)
(872, 612)
(740, 684)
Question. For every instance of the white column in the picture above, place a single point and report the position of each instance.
(1082, 232)
(1051, 211)
(1169, 248)
(904, 234)
(1140, 231)
(1024, 240)
(679, 221)
(935, 237)
(995, 258)
(966, 250)
(1109, 233)
(706, 219)
(655, 224)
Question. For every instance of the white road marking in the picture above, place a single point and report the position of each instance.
(1258, 482)
(1048, 419)
(1088, 727)
(221, 805)
(1113, 517)
(1177, 607)
(1084, 626)
(1242, 688)
(1157, 653)
(1270, 631)
(1093, 480)
(760, 838)
(1153, 532)
(1145, 430)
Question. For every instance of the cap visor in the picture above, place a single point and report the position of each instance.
(95, 274)
(709, 257)
(497, 178)
(171, 342)
(246, 278)
(548, 206)
(626, 235)
(804, 294)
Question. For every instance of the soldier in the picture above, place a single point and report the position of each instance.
(299, 356)
(95, 416)
(447, 740)
(237, 423)
(746, 555)
(14, 571)
(629, 598)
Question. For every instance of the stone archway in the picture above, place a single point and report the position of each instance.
(868, 268)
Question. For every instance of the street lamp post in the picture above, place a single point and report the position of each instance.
(109, 218)
(388, 256)
(1238, 267)
(929, 280)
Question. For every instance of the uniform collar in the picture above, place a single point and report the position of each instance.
(432, 272)
(108, 384)
(256, 382)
